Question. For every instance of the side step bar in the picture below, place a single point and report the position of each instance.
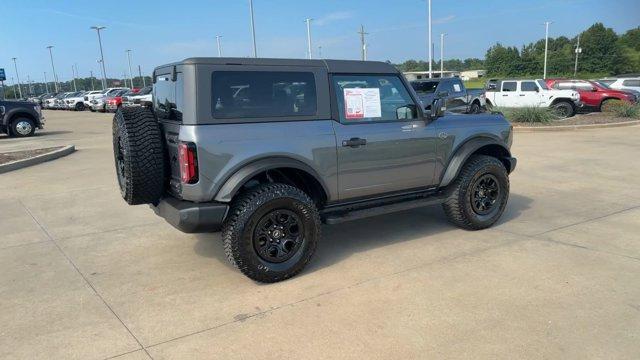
(336, 217)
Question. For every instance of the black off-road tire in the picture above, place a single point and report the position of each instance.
(79, 107)
(564, 109)
(475, 108)
(458, 206)
(22, 127)
(247, 212)
(139, 155)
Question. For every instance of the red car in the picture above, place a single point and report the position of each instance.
(114, 101)
(592, 94)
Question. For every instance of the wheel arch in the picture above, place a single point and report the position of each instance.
(11, 116)
(483, 145)
(559, 100)
(285, 169)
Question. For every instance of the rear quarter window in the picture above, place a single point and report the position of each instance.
(263, 94)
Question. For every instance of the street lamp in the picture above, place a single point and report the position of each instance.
(253, 30)
(130, 72)
(219, 47)
(308, 21)
(104, 72)
(430, 40)
(546, 46)
(15, 65)
(442, 54)
(55, 76)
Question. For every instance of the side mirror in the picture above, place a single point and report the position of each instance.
(1, 110)
(537, 89)
(594, 89)
(437, 109)
(442, 94)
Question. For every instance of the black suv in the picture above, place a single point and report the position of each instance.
(20, 118)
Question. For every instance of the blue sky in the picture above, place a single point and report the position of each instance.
(162, 31)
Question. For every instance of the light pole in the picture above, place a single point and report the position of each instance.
(55, 76)
(73, 73)
(442, 54)
(104, 72)
(253, 30)
(144, 82)
(219, 47)
(29, 86)
(430, 40)
(130, 72)
(546, 46)
(309, 53)
(578, 51)
(46, 83)
(15, 65)
(363, 46)
(91, 76)
(319, 51)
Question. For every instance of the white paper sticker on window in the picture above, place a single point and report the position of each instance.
(362, 103)
(456, 87)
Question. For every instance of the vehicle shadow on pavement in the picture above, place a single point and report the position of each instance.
(340, 241)
(37, 134)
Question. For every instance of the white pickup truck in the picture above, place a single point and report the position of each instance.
(532, 93)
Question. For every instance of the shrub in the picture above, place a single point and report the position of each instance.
(610, 105)
(624, 109)
(528, 114)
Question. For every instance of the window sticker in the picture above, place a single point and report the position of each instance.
(362, 103)
(456, 87)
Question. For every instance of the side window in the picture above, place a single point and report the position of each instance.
(528, 86)
(256, 94)
(366, 98)
(564, 85)
(631, 82)
(580, 85)
(456, 85)
(164, 97)
(509, 86)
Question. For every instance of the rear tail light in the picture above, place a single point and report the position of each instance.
(188, 160)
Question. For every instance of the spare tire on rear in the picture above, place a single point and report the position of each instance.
(139, 155)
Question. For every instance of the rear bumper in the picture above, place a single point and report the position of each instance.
(191, 217)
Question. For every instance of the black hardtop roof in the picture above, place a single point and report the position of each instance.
(332, 66)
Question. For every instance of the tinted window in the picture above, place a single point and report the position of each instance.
(509, 86)
(631, 83)
(456, 86)
(581, 85)
(254, 94)
(372, 98)
(424, 86)
(606, 82)
(164, 98)
(528, 86)
(564, 85)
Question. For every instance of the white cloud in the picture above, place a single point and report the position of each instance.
(333, 17)
(444, 20)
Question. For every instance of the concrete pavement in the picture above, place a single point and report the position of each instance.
(83, 275)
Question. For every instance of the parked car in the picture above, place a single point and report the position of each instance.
(267, 149)
(142, 98)
(623, 83)
(592, 94)
(20, 118)
(90, 95)
(59, 103)
(75, 101)
(114, 101)
(458, 99)
(99, 102)
(49, 100)
(532, 93)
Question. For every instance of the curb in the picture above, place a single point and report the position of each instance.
(574, 127)
(19, 164)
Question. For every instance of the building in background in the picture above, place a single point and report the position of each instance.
(472, 74)
(423, 75)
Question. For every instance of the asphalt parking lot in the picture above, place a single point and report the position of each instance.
(83, 275)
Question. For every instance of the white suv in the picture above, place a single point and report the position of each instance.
(89, 95)
(533, 93)
(625, 83)
(75, 101)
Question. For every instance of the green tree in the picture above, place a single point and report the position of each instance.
(601, 52)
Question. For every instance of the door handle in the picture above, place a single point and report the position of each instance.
(354, 142)
(505, 94)
(521, 95)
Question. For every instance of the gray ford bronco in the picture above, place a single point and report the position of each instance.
(265, 150)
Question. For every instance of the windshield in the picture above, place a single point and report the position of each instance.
(604, 83)
(145, 90)
(542, 84)
(424, 86)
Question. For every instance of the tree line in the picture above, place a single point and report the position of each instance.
(603, 53)
(81, 84)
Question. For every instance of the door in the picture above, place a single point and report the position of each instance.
(529, 94)
(383, 144)
(457, 98)
(507, 97)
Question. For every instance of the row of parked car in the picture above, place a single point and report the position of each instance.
(108, 100)
(564, 96)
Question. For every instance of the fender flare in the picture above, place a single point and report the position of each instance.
(463, 153)
(233, 183)
(20, 111)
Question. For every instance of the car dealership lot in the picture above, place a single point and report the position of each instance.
(83, 275)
